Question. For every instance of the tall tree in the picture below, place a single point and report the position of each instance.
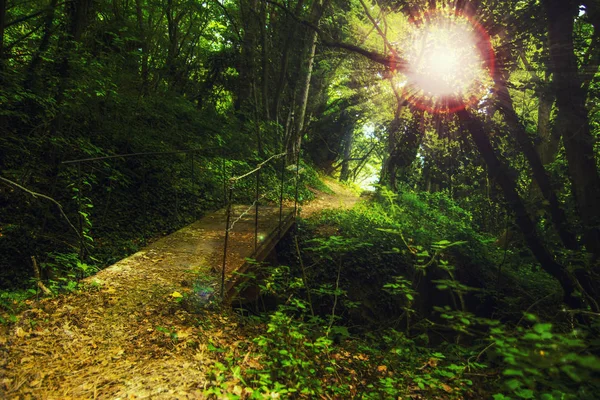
(500, 173)
(2, 25)
(505, 104)
(295, 139)
(572, 118)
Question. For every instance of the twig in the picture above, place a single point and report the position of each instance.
(532, 305)
(40, 284)
(36, 195)
(483, 351)
(304, 277)
(335, 295)
(258, 167)
(582, 312)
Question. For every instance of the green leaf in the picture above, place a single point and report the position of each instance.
(542, 327)
(513, 372)
(531, 336)
(525, 393)
(513, 384)
(572, 372)
(589, 362)
(531, 317)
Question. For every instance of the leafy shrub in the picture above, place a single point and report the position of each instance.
(538, 361)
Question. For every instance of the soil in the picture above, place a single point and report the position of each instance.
(342, 198)
(125, 333)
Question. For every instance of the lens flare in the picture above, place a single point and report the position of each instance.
(450, 62)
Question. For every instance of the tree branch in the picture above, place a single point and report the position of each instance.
(36, 195)
(30, 16)
(392, 61)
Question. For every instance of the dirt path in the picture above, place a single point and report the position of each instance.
(125, 334)
(342, 197)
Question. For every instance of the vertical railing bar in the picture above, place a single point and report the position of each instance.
(194, 214)
(79, 216)
(227, 227)
(174, 187)
(108, 197)
(224, 171)
(256, 211)
(297, 182)
(281, 196)
(144, 205)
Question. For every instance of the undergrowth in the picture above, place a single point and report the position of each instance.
(304, 339)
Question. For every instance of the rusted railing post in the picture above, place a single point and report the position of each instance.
(194, 214)
(281, 196)
(297, 183)
(176, 205)
(79, 215)
(227, 227)
(144, 205)
(256, 211)
(224, 172)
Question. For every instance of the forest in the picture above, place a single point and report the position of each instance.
(467, 132)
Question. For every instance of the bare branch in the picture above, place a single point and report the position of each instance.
(36, 195)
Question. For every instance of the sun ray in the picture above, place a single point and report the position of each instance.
(447, 69)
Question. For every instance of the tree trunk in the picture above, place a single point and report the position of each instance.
(173, 45)
(348, 142)
(247, 67)
(296, 140)
(292, 28)
(574, 124)
(2, 24)
(505, 105)
(499, 172)
(389, 169)
(549, 137)
(265, 61)
(143, 38)
(78, 12)
(402, 146)
(31, 75)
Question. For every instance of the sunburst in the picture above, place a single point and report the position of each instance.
(450, 62)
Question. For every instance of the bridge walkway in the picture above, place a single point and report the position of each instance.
(198, 250)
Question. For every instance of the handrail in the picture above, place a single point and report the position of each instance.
(79, 162)
(150, 153)
(229, 224)
(228, 188)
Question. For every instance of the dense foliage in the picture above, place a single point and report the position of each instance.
(472, 270)
(379, 307)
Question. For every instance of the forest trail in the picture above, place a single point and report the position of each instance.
(342, 197)
(126, 334)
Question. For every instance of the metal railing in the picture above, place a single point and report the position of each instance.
(211, 152)
(229, 187)
(258, 196)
